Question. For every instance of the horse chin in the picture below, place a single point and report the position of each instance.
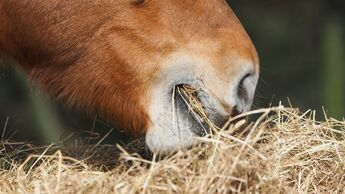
(173, 128)
(162, 141)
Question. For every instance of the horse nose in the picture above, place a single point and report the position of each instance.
(245, 93)
(242, 90)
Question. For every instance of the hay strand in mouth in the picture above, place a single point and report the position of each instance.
(190, 97)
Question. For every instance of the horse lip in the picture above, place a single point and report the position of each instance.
(202, 128)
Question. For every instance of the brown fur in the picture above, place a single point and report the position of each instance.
(104, 55)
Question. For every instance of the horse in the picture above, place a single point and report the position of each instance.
(122, 59)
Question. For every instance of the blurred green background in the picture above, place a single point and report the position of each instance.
(301, 44)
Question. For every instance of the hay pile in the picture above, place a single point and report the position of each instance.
(284, 151)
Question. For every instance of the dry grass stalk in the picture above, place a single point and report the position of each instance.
(286, 152)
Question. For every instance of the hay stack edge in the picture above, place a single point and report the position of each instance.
(283, 151)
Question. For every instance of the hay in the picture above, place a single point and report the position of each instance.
(283, 151)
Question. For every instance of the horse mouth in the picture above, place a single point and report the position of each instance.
(189, 101)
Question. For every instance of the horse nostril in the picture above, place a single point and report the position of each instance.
(241, 89)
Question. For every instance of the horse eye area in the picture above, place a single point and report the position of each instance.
(189, 96)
